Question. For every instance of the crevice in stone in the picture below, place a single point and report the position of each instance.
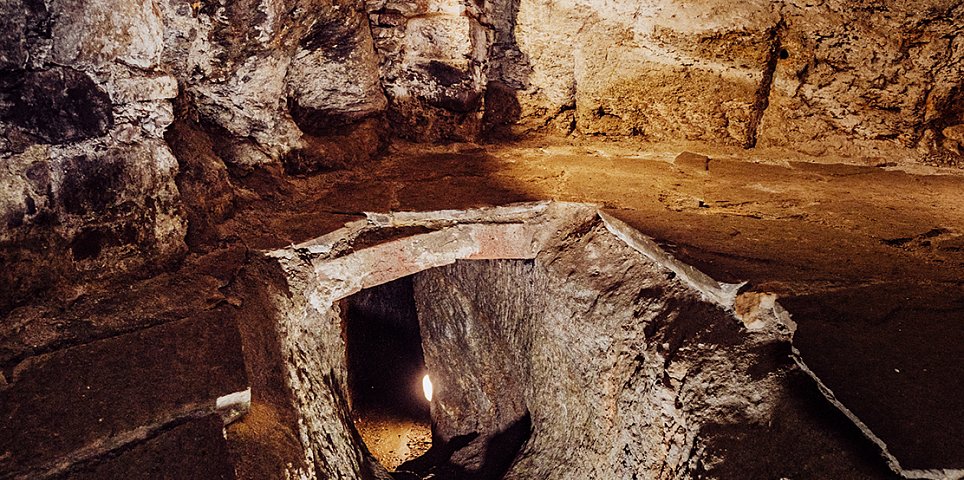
(762, 98)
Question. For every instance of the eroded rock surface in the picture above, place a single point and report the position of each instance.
(586, 334)
(616, 362)
(323, 85)
(95, 182)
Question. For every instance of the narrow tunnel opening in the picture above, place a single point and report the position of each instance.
(439, 322)
(386, 368)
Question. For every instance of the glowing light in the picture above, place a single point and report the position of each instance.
(427, 387)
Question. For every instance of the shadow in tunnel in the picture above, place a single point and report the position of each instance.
(385, 368)
(500, 452)
(384, 348)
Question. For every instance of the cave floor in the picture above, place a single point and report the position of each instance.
(391, 437)
(868, 256)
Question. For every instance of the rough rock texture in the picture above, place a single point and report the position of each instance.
(868, 75)
(913, 440)
(632, 345)
(660, 69)
(432, 56)
(194, 449)
(477, 330)
(619, 368)
(88, 186)
(314, 386)
(88, 183)
(859, 77)
(730, 216)
(259, 73)
(94, 181)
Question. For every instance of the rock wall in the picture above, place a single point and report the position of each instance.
(432, 54)
(617, 373)
(618, 370)
(815, 77)
(477, 321)
(859, 76)
(88, 180)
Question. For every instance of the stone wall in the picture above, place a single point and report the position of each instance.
(612, 375)
(87, 182)
(87, 178)
(815, 76)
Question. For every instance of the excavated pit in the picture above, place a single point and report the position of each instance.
(562, 343)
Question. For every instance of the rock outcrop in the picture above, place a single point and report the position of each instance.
(830, 77)
(87, 185)
(614, 373)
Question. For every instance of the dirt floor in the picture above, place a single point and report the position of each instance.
(392, 438)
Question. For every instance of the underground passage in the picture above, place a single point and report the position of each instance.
(391, 389)
(386, 369)
(473, 240)
(547, 329)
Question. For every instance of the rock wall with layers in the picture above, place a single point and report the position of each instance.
(90, 186)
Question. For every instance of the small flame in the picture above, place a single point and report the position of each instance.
(427, 387)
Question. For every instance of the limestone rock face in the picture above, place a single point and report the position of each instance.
(334, 90)
(334, 77)
(231, 58)
(867, 75)
(660, 69)
(263, 71)
(87, 184)
(810, 77)
(432, 55)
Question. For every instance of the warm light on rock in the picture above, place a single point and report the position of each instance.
(427, 387)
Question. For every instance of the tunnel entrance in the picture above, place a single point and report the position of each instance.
(559, 339)
(386, 367)
(451, 321)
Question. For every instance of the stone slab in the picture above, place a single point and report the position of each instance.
(192, 450)
(79, 402)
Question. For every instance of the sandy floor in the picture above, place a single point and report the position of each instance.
(393, 439)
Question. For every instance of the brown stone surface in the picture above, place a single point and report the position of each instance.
(787, 227)
(79, 402)
(103, 310)
(807, 438)
(192, 450)
(90, 188)
(690, 335)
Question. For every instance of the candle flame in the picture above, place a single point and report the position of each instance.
(427, 387)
